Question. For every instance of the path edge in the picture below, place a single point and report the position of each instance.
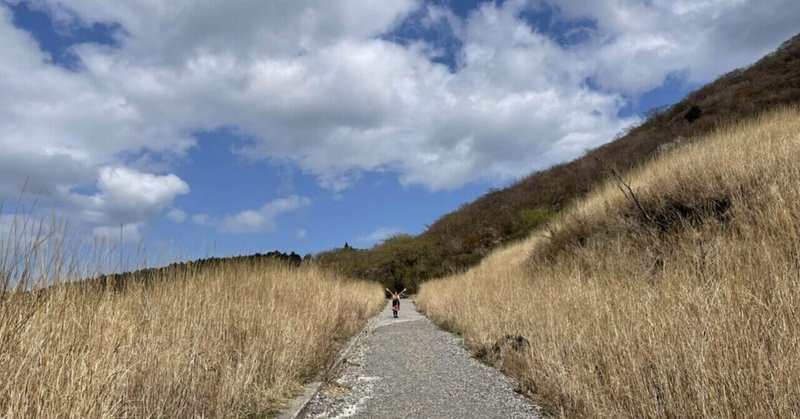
(299, 404)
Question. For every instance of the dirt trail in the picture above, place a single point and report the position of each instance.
(410, 368)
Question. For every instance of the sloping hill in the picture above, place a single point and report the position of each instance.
(676, 298)
(233, 337)
(460, 239)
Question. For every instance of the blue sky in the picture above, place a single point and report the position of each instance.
(240, 127)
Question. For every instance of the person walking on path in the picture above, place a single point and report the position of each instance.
(396, 301)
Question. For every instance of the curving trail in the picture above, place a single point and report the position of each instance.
(410, 368)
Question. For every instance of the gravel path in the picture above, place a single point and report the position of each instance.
(410, 368)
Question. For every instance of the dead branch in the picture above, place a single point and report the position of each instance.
(630, 194)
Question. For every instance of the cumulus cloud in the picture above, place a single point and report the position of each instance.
(126, 200)
(262, 219)
(202, 219)
(312, 82)
(378, 235)
(127, 196)
(176, 215)
(636, 44)
(61, 130)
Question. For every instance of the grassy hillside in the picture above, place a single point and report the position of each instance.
(460, 239)
(225, 338)
(676, 297)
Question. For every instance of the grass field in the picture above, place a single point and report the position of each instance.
(232, 340)
(678, 297)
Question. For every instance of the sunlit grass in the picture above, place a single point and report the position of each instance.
(685, 307)
(235, 339)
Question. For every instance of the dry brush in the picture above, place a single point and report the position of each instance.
(232, 340)
(681, 300)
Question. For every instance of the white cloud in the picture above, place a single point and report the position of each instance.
(201, 219)
(126, 200)
(176, 215)
(378, 235)
(262, 219)
(301, 233)
(312, 83)
(125, 187)
(127, 196)
(638, 43)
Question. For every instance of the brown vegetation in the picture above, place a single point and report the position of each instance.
(231, 338)
(676, 297)
(399, 262)
(460, 239)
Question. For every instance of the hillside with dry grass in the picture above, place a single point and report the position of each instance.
(232, 338)
(462, 238)
(671, 291)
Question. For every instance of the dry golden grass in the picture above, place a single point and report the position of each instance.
(687, 307)
(235, 340)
